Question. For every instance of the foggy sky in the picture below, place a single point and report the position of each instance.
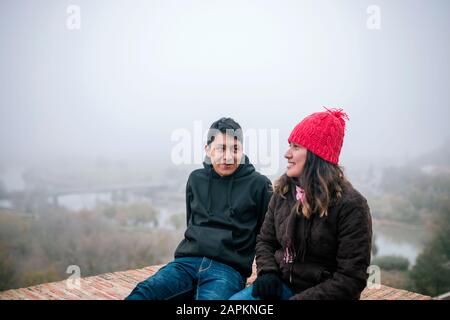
(138, 70)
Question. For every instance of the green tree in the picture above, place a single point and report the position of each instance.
(7, 270)
(431, 273)
(392, 263)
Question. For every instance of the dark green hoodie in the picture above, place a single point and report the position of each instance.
(224, 215)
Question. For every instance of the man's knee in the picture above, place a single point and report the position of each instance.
(169, 282)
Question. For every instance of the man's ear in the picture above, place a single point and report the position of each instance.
(208, 150)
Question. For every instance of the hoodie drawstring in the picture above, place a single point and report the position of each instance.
(229, 189)
(230, 186)
(208, 209)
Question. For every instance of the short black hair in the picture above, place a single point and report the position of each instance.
(226, 126)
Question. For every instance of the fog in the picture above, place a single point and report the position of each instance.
(135, 72)
(105, 105)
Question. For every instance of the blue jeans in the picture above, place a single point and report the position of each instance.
(246, 294)
(190, 278)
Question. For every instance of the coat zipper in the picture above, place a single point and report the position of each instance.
(301, 249)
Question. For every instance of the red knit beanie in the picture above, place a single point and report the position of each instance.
(322, 133)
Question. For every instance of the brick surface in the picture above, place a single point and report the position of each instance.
(117, 285)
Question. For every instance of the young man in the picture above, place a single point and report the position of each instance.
(225, 205)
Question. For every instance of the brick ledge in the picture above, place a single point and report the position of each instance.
(117, 285)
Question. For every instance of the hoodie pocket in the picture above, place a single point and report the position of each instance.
(207, 240)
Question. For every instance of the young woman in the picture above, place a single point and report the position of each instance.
(315, 242)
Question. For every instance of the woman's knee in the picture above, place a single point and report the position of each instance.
(244, 294)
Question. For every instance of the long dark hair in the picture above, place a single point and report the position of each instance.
(322, 181)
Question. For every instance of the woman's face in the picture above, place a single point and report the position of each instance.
(296, 157)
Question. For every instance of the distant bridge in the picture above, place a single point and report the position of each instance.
(117, 190)
(106, 189)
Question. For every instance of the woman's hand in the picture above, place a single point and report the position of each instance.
(268, 286)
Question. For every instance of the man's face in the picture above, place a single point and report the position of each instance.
(225, 153)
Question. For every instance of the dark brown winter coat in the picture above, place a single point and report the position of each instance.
(332, 252)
